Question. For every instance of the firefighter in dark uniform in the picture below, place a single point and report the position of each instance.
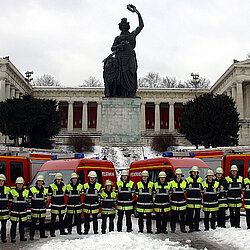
(19, 199)
(247, 198)
(4, 209)
(38, 200)
(178, 201)
(144, 192)
(194, 199)
(161, 203)
(74, 205)
(125, 190)
(210, 199)
(222, 198)
(108, 198)
(56, 194)
(91, 202)
(234, 197)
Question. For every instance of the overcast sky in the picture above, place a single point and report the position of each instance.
(69, 38)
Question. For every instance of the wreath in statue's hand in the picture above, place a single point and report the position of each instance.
(131, 7)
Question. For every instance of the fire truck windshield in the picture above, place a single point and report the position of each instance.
(50, 175)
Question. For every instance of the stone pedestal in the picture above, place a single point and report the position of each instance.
(121, 123)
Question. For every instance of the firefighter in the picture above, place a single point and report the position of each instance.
(222, 198)
(19, 199)
(178, 201)
(74, 205)
(125, 191)
(144, 192)
(38, 200)
(56, 194)
(91, 202)
(161, 203)
(194, 198)
(108, 198)
(234, 197)
(4, 209)
(247, 198)
(210, 199)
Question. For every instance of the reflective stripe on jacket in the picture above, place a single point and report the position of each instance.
(178, 190)
(210, 196)
(161, 194)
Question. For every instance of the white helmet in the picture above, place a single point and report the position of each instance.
(124, 172)
(178, 171)
(194, 169)
(2, 177)
(162, 174)
(74, 175)
(219, 171)
(210, 172)
(40, 178)
(145, 173)
(20, 180)
(58, 176)
(234, 167)
(92, 174)
(108, 182)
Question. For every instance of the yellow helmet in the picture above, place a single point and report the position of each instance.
(219, 171)
(145, 173)
(124, 172)
(178, 171)
(92, 174)
(210, 172)
(74, 175)
(108, 182)
(40, 178)
(234, 167)
(58, 176)
(162, 174)
(2, 177)
(20, 180)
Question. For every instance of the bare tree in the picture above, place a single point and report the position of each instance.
(91, 82)
(45, 80)
(171, 82)
(151, 80)
(200, 83)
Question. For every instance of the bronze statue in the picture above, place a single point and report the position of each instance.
(120, 67)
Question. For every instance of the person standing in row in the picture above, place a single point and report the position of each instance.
(247, 198)
(144, 191)
(56, 194)
(234, 198)
(108, 198)
(178, 201)
(125, 190)
(18, 199)
(74, 205)
(38, 200)
(91, 202)
(4, 209)
(194, 199)
(222, 198)
(210, 199)
(161, 203)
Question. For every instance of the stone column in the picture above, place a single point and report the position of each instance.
(234, 93)
(70, 116)
(229, 93)
(17, 93)
(2, 90)
(7, 90)
(20, 95)
(157, 117)
(84, 116)
(12, 92)
(239, 99)
(99, 116)
(143, 116)
(171, 116)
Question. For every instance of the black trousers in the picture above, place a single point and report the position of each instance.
(148, 223)
(3, 229)
(14, 226)
(234, 216)
(193, 218)
(128, 214)
(161, 222)
(175, 214)
(77, 220)
(87, 220)
(33, 226)
(248, 218)
(206, 220)
(221, 217)
(53, 222)
(111, 222)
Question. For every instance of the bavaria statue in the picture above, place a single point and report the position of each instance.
(120, 67)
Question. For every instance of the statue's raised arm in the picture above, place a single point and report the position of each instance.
(132, 8)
